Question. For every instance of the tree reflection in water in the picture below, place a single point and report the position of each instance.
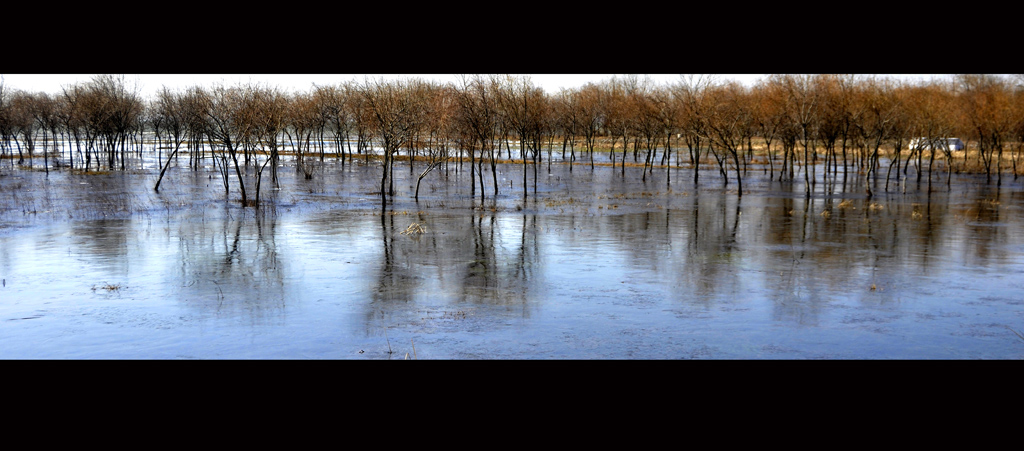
(230, 265)
(460, 263)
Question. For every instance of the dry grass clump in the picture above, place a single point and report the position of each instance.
(558, 202)
(108, 287)
(414, 229)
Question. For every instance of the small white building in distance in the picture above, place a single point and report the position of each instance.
(953, 144)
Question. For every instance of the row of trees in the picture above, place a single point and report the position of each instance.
(103, 119)
(855, 125)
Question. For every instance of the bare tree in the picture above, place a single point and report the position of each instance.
(880, 110)
(830, 119)
(302, 117)
(538, 120)
(332, 101)
(728, 121)
(649, 124)
(1018, 120)
(567, 122)
(110, 114)
(49, 122)
(767, 112)
(478, 118)
(267, 114)
(441, 128)
(522, 109)
(23, 123)
(618, 116)
(173, 113)
(390, 106)
(802, 111)
(6, 131)
(667, 116)
(985, 100)
(592, 116)
(931, 109)
(689, 94)
(226, 124)
(70, 116)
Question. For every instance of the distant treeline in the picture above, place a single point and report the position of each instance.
(851, 123)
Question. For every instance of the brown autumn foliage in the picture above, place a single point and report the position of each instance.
(872, 127)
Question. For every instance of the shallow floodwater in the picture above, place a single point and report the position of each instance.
(98, 266)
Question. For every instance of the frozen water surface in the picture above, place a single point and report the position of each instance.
(98, 266)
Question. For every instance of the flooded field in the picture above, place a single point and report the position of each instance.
(595, 266)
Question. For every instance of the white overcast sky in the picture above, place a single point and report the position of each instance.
(149, 84)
